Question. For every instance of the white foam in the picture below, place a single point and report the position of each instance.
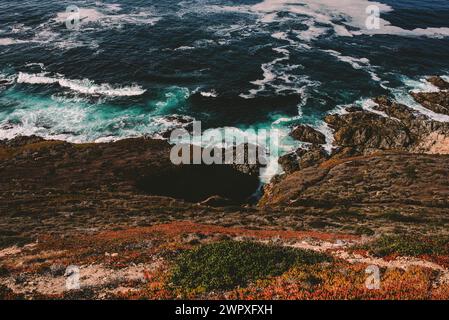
(277, 76)
(312, 32)
(112, 19)
(421, 85)
(11, 41)
(342, 13)
(324, 128)
(369, 104)
(85, 86)
(402, 96)
(184, 48)
(102, 17)
(209, 94)
(356, 63)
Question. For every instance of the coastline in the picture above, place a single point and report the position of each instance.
(387, 175)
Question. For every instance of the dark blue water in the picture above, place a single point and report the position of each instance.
(243, 63)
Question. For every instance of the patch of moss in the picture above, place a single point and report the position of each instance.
(228, 264)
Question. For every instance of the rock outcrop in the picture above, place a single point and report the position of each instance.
(391, 157)
(303, 158)
(385, 179)
(307, 134)
(439, 82)
(435, 101)
(36, 166)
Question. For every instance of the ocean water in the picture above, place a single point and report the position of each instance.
(133, 64)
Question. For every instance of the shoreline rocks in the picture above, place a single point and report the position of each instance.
(391, 157)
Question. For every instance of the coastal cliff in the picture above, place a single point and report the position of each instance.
(124, 205)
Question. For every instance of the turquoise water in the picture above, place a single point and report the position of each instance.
(132, 65)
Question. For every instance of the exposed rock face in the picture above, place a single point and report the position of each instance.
(308, 134)
(303, 158)
(48, 185)
(178, 122)
(366, 132)
(395, 158)
(435, 101)
(428, 136)
(391, 179)
(33, 165)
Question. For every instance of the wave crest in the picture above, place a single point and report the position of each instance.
(84, 86)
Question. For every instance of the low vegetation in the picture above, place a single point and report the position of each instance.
(229, 264)
(409, 245)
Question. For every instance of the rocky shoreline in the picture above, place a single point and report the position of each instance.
(390, 156)
(387, 174)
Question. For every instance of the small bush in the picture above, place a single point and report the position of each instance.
(398, 217)
(407, 245)
(228, 264)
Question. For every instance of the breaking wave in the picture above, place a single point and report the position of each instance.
(85, 86)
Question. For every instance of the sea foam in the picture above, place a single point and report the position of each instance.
(84, 86)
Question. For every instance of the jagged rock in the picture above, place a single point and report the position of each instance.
(429, 136)
(308, 134)
(368, 132)
(352, 109)
(177, 122)
(439, 82)
(289, 162)
(436, 101)
(303, 158)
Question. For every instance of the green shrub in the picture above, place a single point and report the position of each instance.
(407, 245)
(228, 264)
